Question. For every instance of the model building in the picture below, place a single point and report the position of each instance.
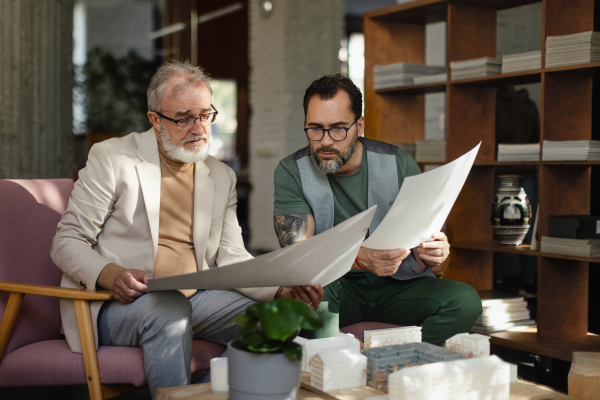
(382, 361)
(476, 378)
(391, 336)
(469, 345)
(338, 369)
(314, 346)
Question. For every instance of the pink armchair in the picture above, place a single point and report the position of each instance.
(32, 350)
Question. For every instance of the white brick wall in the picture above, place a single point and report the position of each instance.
(297, 44)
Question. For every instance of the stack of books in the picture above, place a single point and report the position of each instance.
(401, 74)
(410, 148)
(501, 313)
(431, 151)
(571, 150)
(519, 152)
(424, 79)
(571, 247)
(576, 48)
(475, 68)
(521, 61)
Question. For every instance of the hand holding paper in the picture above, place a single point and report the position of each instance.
(422, 205)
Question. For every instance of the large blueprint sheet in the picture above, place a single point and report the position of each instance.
(320, 259)
(422, 205)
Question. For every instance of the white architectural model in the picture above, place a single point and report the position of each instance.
(311, 347)
(476, 378)
(391, 336)
(338, 369)
(468, 345)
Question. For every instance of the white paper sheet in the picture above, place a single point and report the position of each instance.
(320, 259)
(422, 205)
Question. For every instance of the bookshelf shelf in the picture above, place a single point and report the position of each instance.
(397, 34)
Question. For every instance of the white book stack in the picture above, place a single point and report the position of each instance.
(576, 48)
(391, 336)
(521, 61)
(571, 247)
(338, 369)
(401, 74)
(431, 151)
(470, 345)
(474, 378)
(475, 68)
(570, 150)
(310, 348)
(519, 152)
(503, 313)
(422, 80)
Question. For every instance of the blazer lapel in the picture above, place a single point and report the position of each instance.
(204, 192)
(149, 175)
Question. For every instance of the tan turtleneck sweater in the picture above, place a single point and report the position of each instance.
(175, 253)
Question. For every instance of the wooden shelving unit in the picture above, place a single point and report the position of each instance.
(396, 115)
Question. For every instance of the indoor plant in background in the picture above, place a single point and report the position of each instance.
(264, 362)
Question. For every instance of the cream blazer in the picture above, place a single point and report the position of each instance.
(113, 217)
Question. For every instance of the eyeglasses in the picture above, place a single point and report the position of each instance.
(187, 123)
(337, 133)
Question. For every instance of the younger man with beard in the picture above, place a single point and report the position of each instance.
(340, 174)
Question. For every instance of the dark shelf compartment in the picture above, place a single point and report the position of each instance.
(436, 87)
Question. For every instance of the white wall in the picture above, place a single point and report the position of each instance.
(297, 44)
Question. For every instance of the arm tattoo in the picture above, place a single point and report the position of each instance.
(291, 228)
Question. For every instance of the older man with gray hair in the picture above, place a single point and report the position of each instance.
(155, 204)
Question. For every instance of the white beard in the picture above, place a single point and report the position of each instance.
(180, 153)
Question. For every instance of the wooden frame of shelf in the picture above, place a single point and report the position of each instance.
(397, 34)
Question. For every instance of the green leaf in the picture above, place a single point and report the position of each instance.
(294, 352)
(254, 309)
(255, 339)
(309, 318)
(279, 319)
(246, 329)
(270, 346)
(242, 320)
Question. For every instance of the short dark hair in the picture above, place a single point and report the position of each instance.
(328, 86)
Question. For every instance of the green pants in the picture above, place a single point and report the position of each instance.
(441, 307)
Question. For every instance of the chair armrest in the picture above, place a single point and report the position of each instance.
(55, 291)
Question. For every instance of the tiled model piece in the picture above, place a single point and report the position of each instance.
(338, 369)
(314, 346)
(470, 346)
(391, 336)
(385, 360)
(476, 378)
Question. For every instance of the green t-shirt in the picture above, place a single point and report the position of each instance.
(349, 192)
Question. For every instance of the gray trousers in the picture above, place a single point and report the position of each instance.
(163, 325)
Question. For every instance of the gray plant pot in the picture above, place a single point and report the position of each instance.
(254, 376)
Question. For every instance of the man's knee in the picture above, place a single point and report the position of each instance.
(466, 302)
(169, 310)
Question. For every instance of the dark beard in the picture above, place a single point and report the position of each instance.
(333, 166)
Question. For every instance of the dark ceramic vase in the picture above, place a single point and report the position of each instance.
(511, 211)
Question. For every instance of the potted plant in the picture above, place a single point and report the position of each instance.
(264, 362)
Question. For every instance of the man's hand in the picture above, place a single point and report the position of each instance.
(311, 295)
(436, 252)
(381, 262)
(131, 284)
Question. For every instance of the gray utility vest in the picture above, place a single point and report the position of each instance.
(383, 189)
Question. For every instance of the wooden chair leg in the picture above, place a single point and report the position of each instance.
(88, 348)
(8, 320)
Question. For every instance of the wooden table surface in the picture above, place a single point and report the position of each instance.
(521, 390)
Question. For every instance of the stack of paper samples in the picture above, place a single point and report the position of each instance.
(475, 68)
(519, 152)
(571, 150)
(571, 247)
(422, 80)
(521, 61)
(431, 151)
(576, 48)
(501, 313)
(401, 74)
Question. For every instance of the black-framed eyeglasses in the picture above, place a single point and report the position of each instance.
(337, 133)
(187, 123)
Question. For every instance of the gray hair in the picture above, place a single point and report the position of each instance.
(191, 75)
